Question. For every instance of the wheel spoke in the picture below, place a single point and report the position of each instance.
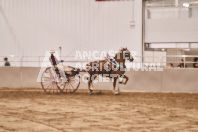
(47, 78)
(72, 86)
(51, 83)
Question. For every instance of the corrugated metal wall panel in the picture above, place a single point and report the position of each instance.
(30, 27)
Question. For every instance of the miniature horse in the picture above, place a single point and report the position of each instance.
(103, 67)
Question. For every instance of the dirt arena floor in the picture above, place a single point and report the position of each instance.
(31, 110)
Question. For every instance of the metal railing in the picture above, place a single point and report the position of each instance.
(36, 61)
(187, 60)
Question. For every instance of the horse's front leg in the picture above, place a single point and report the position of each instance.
(127, 78)
(114, 86)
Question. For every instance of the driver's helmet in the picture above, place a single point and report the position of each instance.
(52, 51)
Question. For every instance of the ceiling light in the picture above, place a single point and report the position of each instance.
(186, 4)
(187, 49)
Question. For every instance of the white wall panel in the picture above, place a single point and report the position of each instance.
(30, 27)
(171, 30)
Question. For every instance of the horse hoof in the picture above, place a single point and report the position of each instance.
(116, 93)
(91, 93)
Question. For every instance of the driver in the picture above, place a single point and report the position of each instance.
(56, 64)
(53, 59)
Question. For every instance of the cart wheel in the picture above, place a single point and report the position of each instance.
(49, 81)
(72, 84)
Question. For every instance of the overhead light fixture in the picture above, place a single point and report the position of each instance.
(163, 49)
(12, 55)
(186, 4)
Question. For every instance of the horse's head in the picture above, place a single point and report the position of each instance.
(127, 54)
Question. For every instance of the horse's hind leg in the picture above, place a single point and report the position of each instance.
(90, 83)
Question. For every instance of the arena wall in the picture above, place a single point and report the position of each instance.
(168, 80)
(87, 25)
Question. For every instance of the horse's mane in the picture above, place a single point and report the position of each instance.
(120, 51)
